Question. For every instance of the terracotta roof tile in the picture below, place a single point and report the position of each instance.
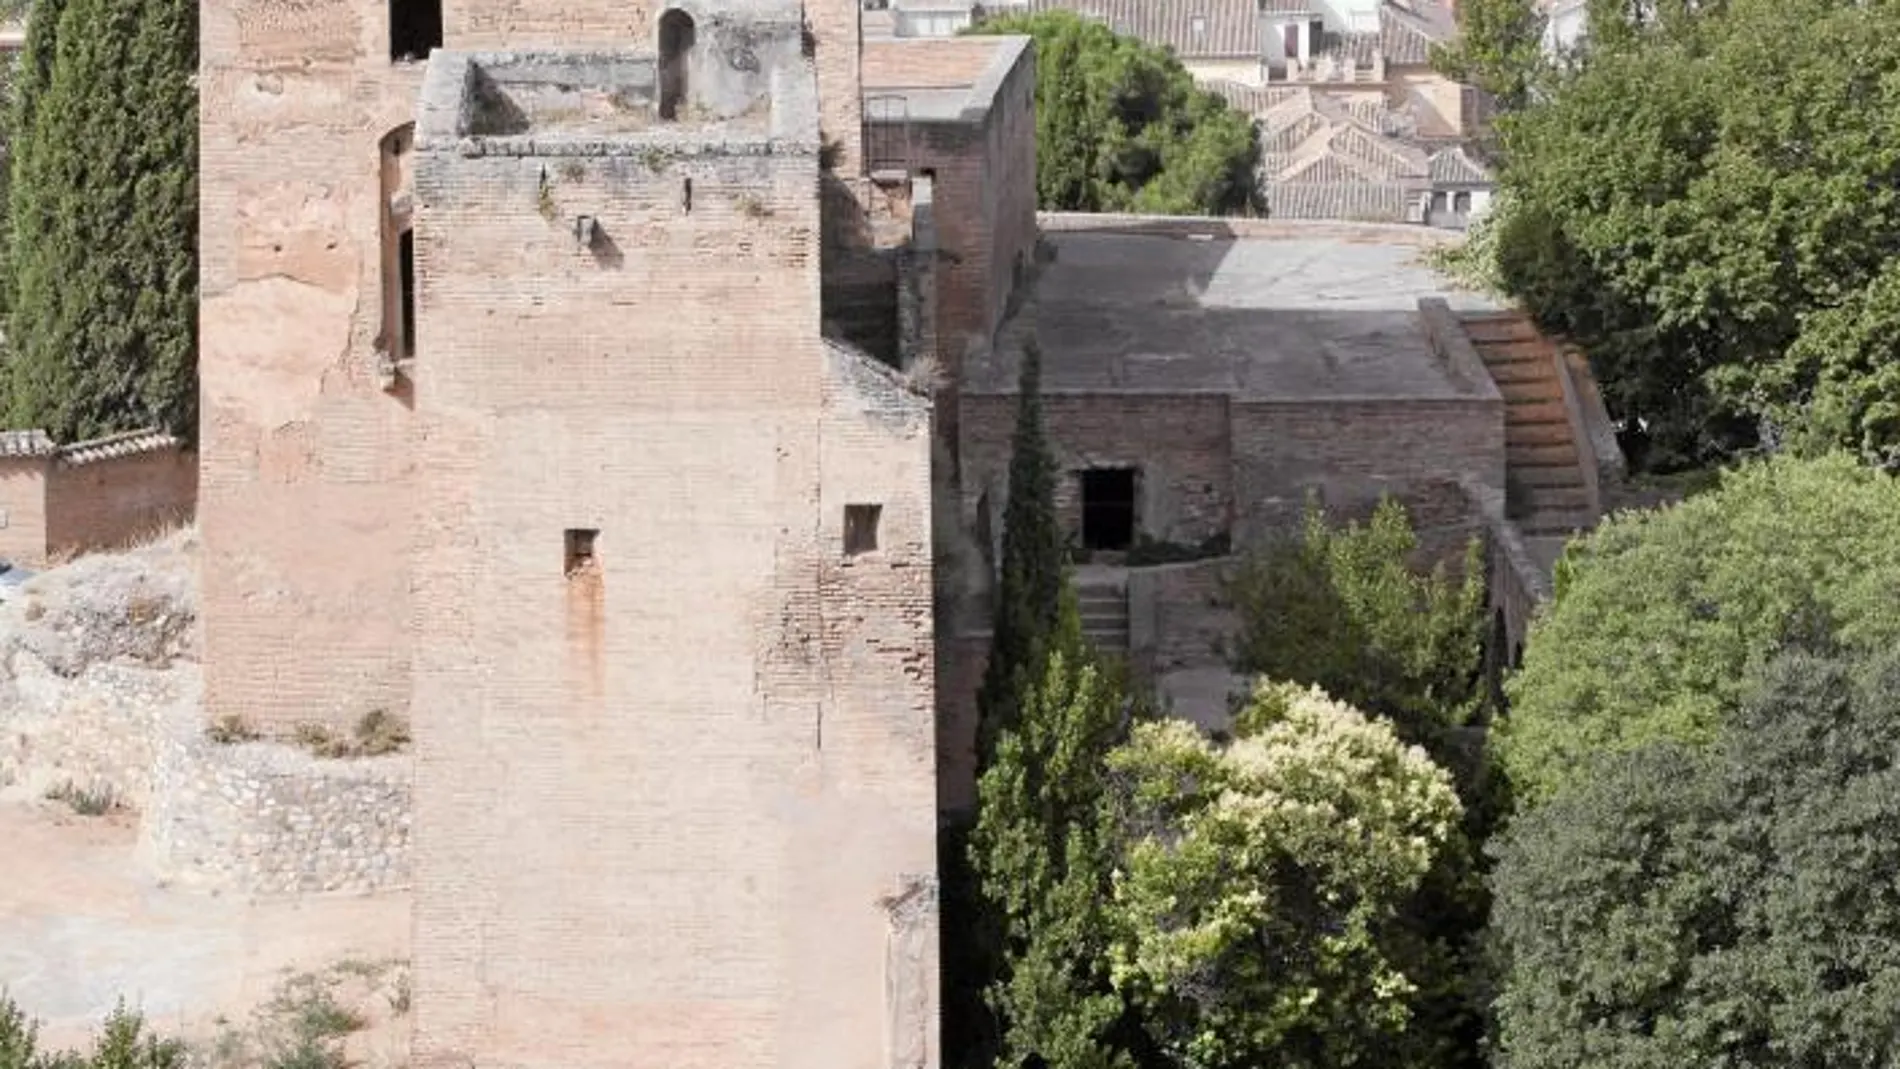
(116, 445)
(1453, 167)
(26, 444)
(1195, 29)
(1359, 202)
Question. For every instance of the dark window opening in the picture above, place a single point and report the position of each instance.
(860, 528)
(1108, 509)
(676, 49)
(579, 546)
(1461, 202)
(406, 268)
(415, 29)
(1291, 38)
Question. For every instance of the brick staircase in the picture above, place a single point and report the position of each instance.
(1545, 489)
(1104, 605)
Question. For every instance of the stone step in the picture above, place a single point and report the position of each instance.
(1515, 329)
(1539, 454)
(1534, 410)
(1503, 371)
(1557, 498)
(1547, 475)
(1540, 389)
(1511, 350)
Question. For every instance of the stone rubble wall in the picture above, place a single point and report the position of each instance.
(266, 818)
(100, 688)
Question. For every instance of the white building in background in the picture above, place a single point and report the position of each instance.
(1565, 23)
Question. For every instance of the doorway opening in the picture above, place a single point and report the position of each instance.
(1108, 509)
(415, 29)
(676, 50)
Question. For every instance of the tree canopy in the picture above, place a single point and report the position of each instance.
(1660, 616)
(101, 272)
(1729, 905)
(1709, 200)
(1121, 126)
(1260, 883)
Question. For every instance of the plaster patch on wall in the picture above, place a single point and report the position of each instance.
(912, 912)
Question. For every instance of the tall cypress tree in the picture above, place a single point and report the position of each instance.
(27, 80)
(1029, 589)
(102, 320)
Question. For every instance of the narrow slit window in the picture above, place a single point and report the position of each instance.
(415, 29)
(860, 528)
(579, 546)
(406, 270)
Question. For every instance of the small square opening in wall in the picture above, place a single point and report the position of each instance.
(860, 528)
(579, 544)
(1108, 509)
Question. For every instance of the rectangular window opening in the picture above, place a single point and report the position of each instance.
(415, 29)
(579, 546)
(1108, 509)
(860, 528)
(406, 268)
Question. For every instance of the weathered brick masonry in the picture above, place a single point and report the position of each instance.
(675, 791)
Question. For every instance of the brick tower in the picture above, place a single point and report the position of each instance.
(519, 419)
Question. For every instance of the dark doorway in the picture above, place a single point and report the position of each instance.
(1108, 509)
(406, 265)
(415, 29)
(676, 51)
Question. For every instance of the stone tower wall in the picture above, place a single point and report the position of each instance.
(306, 483)
(675, 801)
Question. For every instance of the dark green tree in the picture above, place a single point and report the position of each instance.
(1708, 203)
(1045, 859)
(1726, 905)
(102, 273)
(27, 77)
(1030, 581)
(1121, 126)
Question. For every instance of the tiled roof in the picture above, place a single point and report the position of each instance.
(40, 444)
(1366, 202)
(1289, 7)
(1195, 29)
(116, 445)
(1409, 28)
(26, 444)
(1255, 100)
(1453, 167)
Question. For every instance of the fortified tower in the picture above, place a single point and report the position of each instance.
(520, 420)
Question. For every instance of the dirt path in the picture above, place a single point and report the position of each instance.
(82, 925)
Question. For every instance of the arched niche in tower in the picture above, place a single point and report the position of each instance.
(677, 34)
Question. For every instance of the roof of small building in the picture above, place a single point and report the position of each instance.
(1194, 29)
(37, 443)
(1409, 28)
(1454, 167)
(1256, 309)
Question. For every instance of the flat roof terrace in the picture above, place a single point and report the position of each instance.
(1258, 310)
(936, 79)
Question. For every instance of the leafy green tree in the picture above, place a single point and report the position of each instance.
(1710, 203)
(1347, 609)
(124, 1043)
(1045, 859)
(1499, 49)
(1260, 882)
(102, 268)
(1660, 616)
(1727, 905)
(1344, 608)
(1121, 126)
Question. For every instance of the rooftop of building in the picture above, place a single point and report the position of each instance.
(567, 101)
(1255, 309)
(936, 79)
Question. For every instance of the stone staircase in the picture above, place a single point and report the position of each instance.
(1545, 488)
(1104, 606)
